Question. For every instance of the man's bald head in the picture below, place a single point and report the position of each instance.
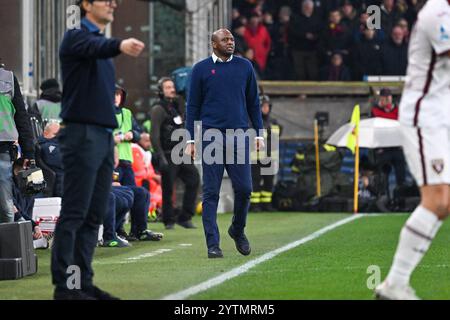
(51, 130)
(219, 34)
(222, 42)
(145, 141)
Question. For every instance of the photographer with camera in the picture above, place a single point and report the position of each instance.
(14, 125)
(166, 118)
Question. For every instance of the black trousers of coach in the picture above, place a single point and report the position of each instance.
(189, 175)
(88, 159)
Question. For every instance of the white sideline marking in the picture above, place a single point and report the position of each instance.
(181, 295)
(149, 254)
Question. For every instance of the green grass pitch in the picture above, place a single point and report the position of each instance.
(333, 266)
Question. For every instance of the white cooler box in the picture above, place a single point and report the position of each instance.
(46, 213)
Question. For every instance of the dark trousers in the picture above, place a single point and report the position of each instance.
(120, 201)
(392, 157)
(139, 210)
(126, 174)
(261, 182)
(241, 180)
(306, 65)
(87, 154)
(188, 174)
(141, 204)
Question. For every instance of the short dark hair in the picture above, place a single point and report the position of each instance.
(80, 4)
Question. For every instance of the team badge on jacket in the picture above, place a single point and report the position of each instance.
(438, 165)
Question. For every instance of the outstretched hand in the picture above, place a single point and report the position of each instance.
(132, 47)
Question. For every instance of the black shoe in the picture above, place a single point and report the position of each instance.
(215, 253)
(241, 241)
(187, 224)
(122, 233)
(149, 235)
(130, 237)
(170, 226)
(66, 294)
(99, 294)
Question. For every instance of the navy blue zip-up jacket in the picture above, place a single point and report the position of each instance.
(88, 76)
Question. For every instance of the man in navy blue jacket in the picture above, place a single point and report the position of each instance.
(224, 95)
(86, 146)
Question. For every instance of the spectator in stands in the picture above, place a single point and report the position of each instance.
(247, 7)
(389, 15)
(336, 37)
(279, 66)
(323, 7)
(48, 107)
(258, 38)
(250, 55)
(394, 54)
(235, 15)
(389, 157)
(366, 56)
(361, 5)
(384, 107)
(411, 12)
(303, 39)
(349, 15)
(267, 19)
(336, 71)
(403, 24)
(358, 31)
(50, 154)
(239, 41)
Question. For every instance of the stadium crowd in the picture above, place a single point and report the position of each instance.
(323, 39)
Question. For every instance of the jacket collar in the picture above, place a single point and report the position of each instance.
(90, 26)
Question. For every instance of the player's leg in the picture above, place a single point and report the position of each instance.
(428, 159)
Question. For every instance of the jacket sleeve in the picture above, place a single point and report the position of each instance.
(23, 125)
(136, 130)
(157, 116)
(87, 45)
(195, 101)
(252, 101)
